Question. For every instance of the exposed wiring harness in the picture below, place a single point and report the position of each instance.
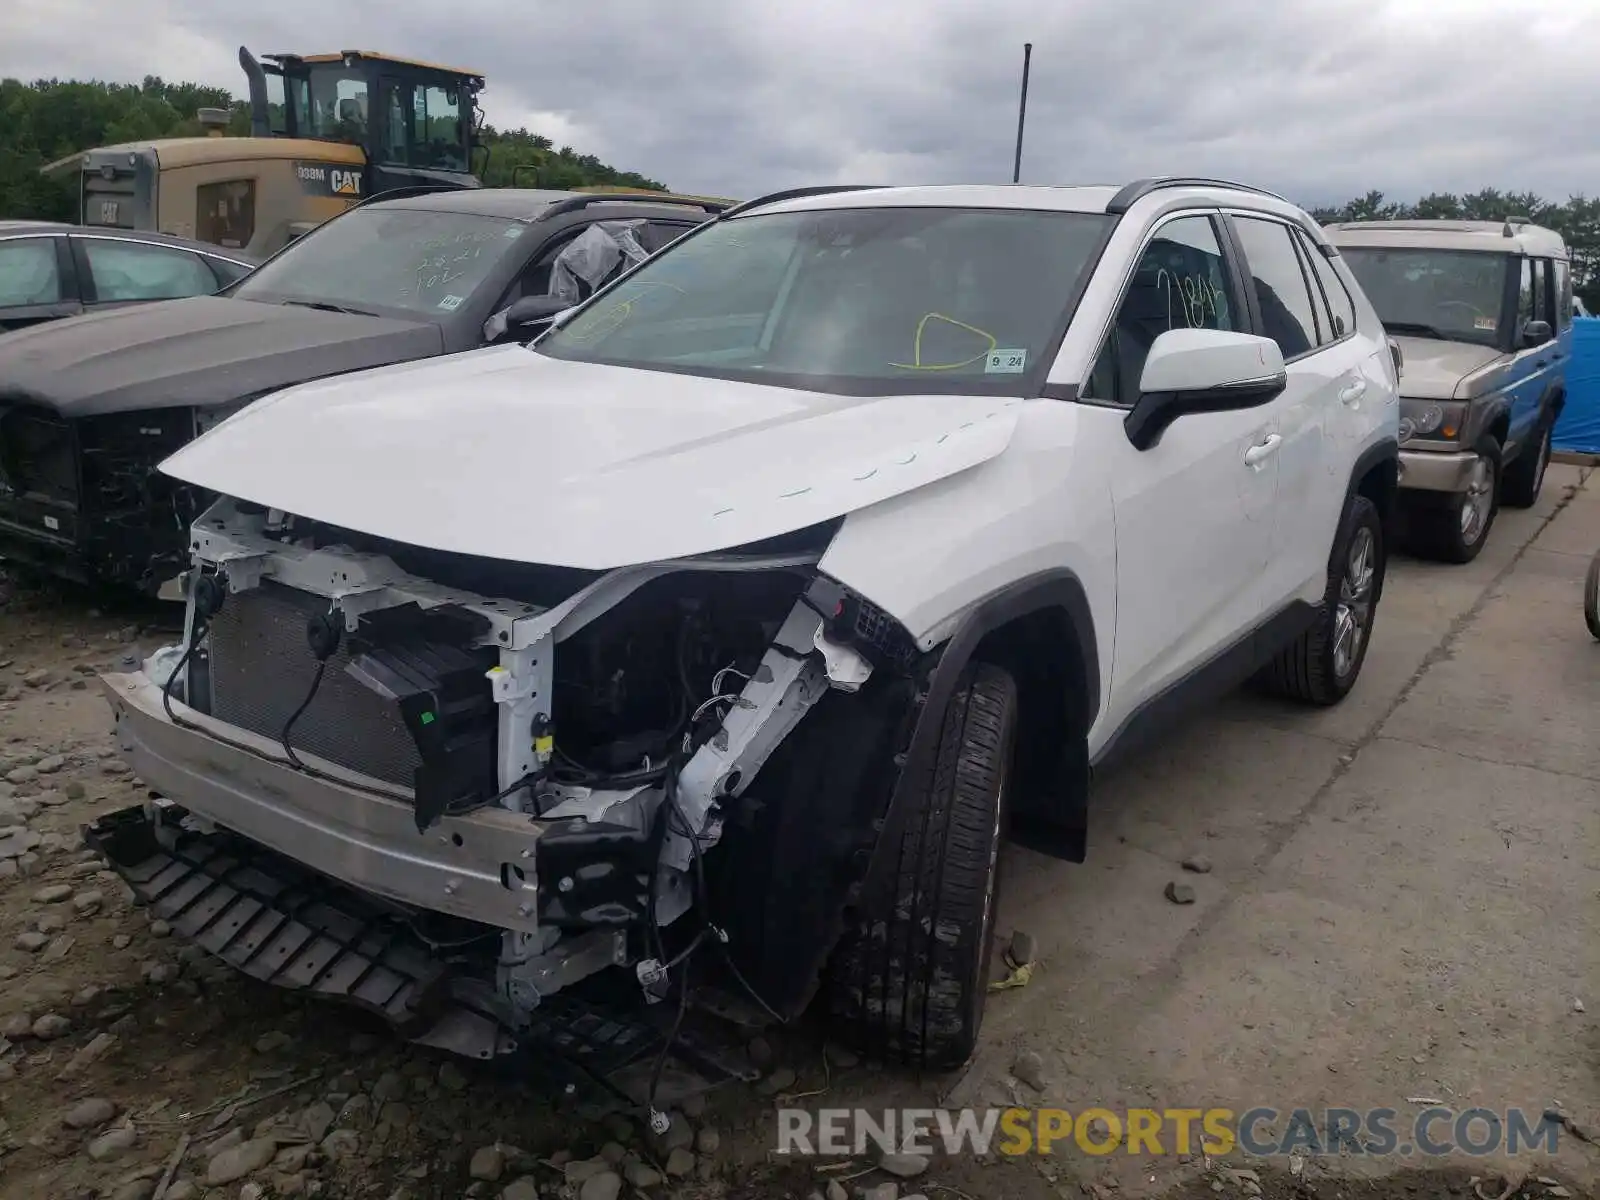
(674, 820)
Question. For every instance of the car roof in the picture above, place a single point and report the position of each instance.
(1510, 236)
(108, 233)
(1158, 194)
(519, 204)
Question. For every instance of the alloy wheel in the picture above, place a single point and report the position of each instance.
(1477, 505)
(1352, 619)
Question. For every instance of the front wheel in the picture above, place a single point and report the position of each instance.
(1321, 665)
(1524, 478)
(1453, 528)
(909, 978)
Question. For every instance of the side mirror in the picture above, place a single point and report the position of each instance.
(525, 317)
(530, 310)
(1192, 371)
(1535, 333)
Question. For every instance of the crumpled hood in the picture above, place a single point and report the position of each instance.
(508, 454)
(205, 350)
(1434, 368)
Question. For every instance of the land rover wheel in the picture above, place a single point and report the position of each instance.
(1454, 528)
(1320, 667)
(909, 978)
(1525, 477)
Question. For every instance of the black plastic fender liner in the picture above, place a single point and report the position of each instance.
(1052, 816)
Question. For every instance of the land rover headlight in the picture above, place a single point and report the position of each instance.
(1435, 419)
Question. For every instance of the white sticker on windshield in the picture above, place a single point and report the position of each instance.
(514, 232)
(1485, 323)
(451, 303)
(1006, 362)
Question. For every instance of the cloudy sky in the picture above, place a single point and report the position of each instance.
(1321, 99)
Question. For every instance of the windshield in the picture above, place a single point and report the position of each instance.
(388, 258)
(857, 301)
(1452, 294)
(339, 106)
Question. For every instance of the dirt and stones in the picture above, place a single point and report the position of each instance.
(152, 1068)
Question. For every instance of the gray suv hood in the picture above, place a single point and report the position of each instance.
(1433, 369)
(206, 350)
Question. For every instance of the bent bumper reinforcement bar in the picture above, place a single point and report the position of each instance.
(479, 866)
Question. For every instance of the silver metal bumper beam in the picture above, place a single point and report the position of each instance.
(479, 866)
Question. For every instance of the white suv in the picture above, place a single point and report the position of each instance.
(732, 624)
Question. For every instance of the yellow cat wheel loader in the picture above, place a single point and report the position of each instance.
(327, 131)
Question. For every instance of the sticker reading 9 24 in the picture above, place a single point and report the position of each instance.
(1005, 362)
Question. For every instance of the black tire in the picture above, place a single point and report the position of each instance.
(1437, 524)
(909, 977)
(1591, 598)
(1318, 668)
(1524, 478)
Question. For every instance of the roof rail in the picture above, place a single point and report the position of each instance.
(585, 199)
(1136, 191)
(1508, 228)
(800, 193)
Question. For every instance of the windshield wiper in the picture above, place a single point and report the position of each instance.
(324, 306)
(1414, 330)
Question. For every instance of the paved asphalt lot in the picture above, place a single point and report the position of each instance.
(1404, 898)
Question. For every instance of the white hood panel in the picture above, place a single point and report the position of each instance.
(507, 454)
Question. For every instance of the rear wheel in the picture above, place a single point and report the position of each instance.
(910, 975)
(1525, 477)
(1453, 528)
(1321, 666)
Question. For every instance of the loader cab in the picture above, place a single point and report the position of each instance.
(414, 122)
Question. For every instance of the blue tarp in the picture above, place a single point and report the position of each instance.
(1579, 426)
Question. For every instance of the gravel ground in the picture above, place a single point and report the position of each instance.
(1345, 931)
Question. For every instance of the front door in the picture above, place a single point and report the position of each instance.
(1532, 366)
(1194, 511)
(36, 281)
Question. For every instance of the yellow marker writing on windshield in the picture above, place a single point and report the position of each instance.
(916, 346)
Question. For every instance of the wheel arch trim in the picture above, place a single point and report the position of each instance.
(1063, 830)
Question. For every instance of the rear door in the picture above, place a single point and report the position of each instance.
(37, 280)
(117, 272)
(1324, 362)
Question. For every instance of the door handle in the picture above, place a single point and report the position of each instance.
(1259, 453)
(1354, 392)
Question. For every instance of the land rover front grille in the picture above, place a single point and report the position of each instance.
(261, 670)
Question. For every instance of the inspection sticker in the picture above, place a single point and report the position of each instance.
(1485, 323)
(1005, 362)
(451, 303)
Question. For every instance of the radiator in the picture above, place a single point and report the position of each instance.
(261, 669)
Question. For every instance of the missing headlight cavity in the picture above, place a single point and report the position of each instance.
(633, 684)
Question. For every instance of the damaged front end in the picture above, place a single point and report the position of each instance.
(488, 800)
(82, 497)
